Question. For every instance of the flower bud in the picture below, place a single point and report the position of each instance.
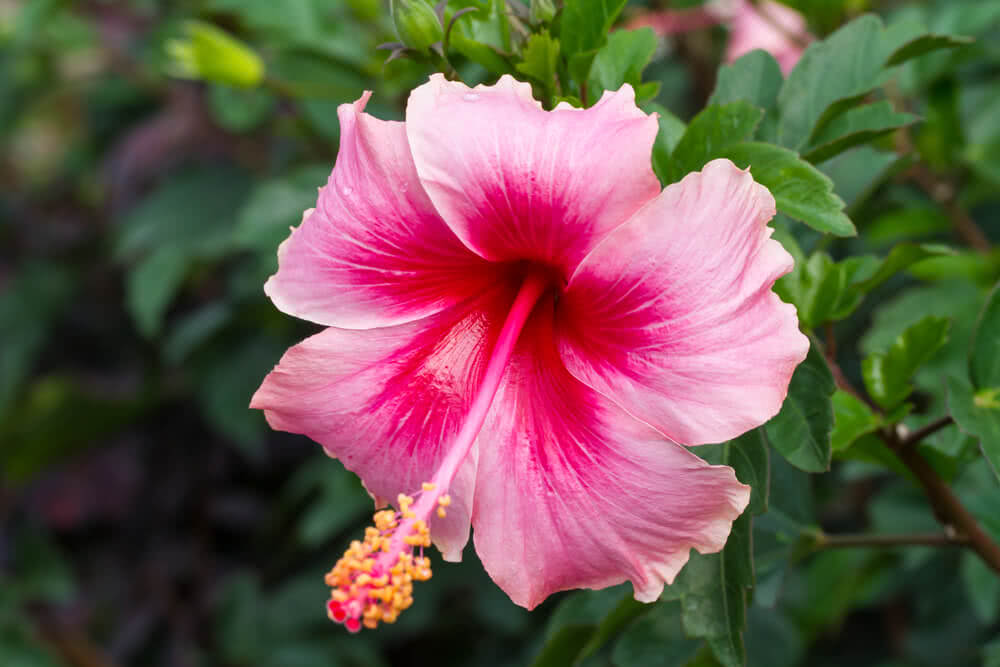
(210, 54)
(542, 11)
(416, 24)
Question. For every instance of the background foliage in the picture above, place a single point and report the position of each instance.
(152, 156)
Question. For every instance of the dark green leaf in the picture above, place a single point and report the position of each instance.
(851, 420)
(276, 205)
(887, 374)
(800, 190)
(240, 109)
(985, 360)
(576, 622)
(480, 53)
(857, 173)
(715, 588)
(855, 126)
(152, 285)
(670, 132)
(305, 72)
(710, 134)
(584, 26)
(982, 586)
(977, 412)
(621, 61)
(755, 78)
(655, 639)
(801, 432)
(748, 456)
(899, 258)
(540, 59)
(918, 46)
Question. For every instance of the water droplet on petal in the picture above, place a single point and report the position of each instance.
(470, 97)
(346, 190)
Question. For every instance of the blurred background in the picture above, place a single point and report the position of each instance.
(150, 518)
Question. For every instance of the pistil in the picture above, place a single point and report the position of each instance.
(373, 582)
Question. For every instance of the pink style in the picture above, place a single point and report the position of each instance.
(524, 332)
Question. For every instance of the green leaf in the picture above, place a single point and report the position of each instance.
(655, 639)
(852, 418)
(307, 72)
(541, 59)
(747, 455)
(982, 587)
(577, 622)
(887, 374)
(899, 258)
(800, 190)
(840, 68)
(978, 414)
(855, 126)
(151, 286)
(857, 173)
(670, 132)
(985, 361)
(276, 205)
(713, 604)
(584, 25)
(755, 78)
(802, 430)
(480, 53)
(621, 61)
(240, 109)
(835, 73)
(823, 290)
(710, 134)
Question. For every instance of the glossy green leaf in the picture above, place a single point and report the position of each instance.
(483, 54)
(670, 132)
(656, 639)
(802, 430)
(855, 126)
(583, 29)
(901, 257)
(621, 60)
(985, 360)
(748, 456)
(977, 412)
(852, 418)
(754, 78)
(800, 190)
(715, 586)
(823, 290)
(887, 374)
(540, 59)
(710, 134)
(278, 204)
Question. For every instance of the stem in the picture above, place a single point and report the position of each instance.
(947, 505)
(924, 431)
(825, 541)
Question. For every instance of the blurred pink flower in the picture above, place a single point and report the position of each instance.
(771, 26)
(525, 330)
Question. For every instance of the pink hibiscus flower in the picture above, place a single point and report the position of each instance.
(771, 26)
(524, 330)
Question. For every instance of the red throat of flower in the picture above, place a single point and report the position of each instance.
(373, 582)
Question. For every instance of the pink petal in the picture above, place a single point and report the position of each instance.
(515, 182)
(387, 402)
(374, 252)
(674, 21)
(780, 30)
(572, 492)
(673, 316)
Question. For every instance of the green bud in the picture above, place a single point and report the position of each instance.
(416, 24)
(210, 54)
(542, 11)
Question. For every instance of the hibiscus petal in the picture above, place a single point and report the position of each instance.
(673, 316)
(374, 252)
(388, 401)
(572, 492)
(516, 182)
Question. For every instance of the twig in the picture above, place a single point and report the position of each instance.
(924, 431)
(947, 505)
(826, 541)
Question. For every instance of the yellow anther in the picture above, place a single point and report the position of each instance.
(444, 500)
(441, 513)
(428, 486)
